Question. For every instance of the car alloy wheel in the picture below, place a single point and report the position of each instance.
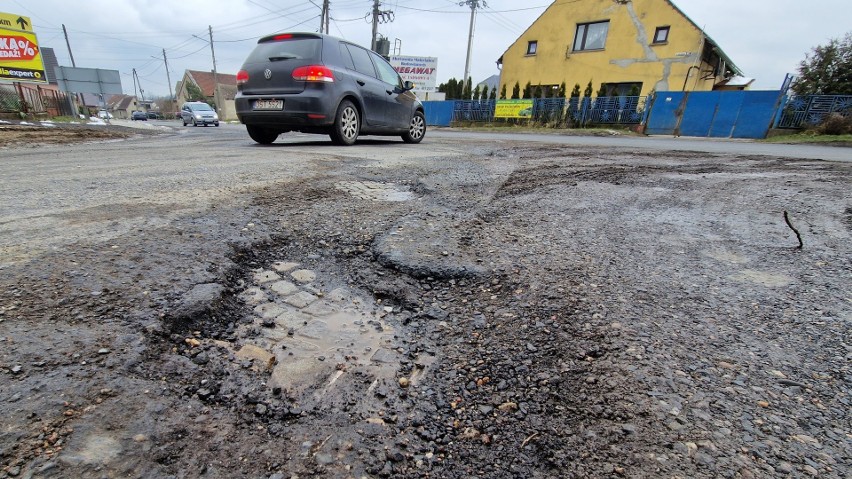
(416, 128)
(347, 124)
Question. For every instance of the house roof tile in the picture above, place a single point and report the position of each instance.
(120, 102)
(204, 80)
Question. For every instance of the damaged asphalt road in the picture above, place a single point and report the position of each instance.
(193, 305)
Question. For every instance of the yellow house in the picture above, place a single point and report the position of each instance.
(624, 47)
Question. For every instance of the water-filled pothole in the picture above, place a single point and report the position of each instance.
(308, 338)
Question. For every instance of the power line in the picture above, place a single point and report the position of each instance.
(179, 46)
(344, 20)
(190, 54)
(258, 36)
(464, 13)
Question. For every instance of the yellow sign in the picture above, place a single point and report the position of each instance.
(513, 109)
(10, 21)
(20, 56)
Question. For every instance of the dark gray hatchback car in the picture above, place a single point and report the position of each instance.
(316, 83)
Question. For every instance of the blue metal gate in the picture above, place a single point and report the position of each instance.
(716, 114)
(438, 113)
(809, 110)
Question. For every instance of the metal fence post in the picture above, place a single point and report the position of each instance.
(780, 111)
(649, 103)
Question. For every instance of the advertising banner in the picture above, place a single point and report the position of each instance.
(89, 80)
(20, 57)
(422, 71)
(513, 109)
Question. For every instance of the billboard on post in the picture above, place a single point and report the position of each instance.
(20, 56)
(422, 71)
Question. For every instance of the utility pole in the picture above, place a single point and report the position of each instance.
(215, 75)
(135, 90)
(327, 16)
(137, 81)
(324, 17)
(376, 12)
(68, 43)
(168, 77)
(69, 46)
(473, 4)
(141, 90)
(379, 16)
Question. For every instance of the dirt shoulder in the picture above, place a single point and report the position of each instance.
(34, 135)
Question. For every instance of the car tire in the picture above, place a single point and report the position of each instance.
(194, 123)
(184, 121)
(416, 128)
(261, 135)
(347, 124)
(217, 123)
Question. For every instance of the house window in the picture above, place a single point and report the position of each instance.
(591, 36)
(661, 35)
(532, 47)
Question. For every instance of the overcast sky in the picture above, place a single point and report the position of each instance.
(765, 38)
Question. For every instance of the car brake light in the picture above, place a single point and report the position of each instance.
(285, 36)
(313, 73)
(242, 77)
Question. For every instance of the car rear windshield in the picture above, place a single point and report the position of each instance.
(287, 49)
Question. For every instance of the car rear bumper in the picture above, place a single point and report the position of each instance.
(307, 109)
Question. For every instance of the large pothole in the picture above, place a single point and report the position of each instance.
(310, 338)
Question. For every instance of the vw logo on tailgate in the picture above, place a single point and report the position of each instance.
(267, 73)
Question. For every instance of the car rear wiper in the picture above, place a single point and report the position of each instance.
(282, 57)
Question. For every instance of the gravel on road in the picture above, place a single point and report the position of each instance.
(459, 309)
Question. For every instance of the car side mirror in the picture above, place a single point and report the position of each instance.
(408, 86)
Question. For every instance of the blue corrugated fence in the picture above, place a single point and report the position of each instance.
(717, 114)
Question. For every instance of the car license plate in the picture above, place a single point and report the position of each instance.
(269, 104)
